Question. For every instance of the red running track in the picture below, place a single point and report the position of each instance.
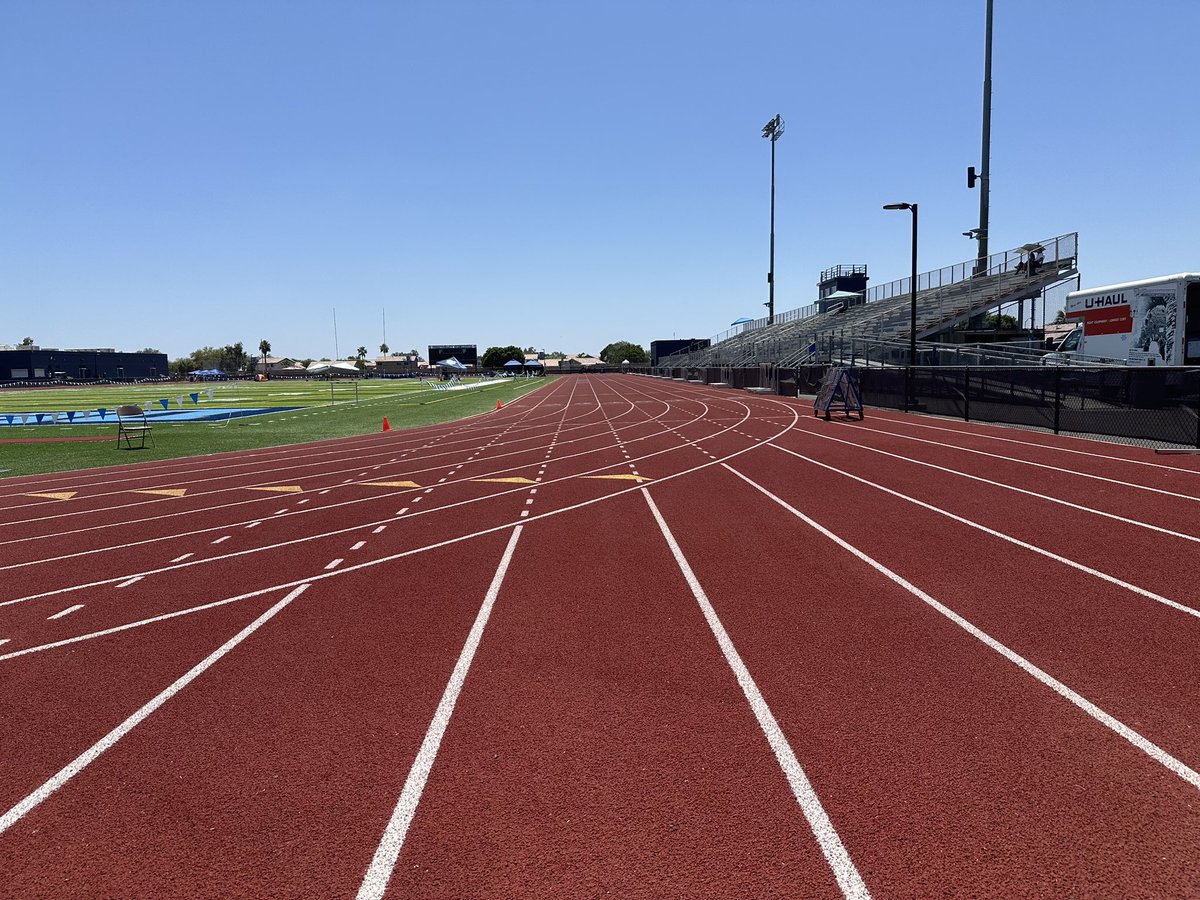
(625, 637)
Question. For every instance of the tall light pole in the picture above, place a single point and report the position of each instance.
(772, 130)
(912, 292)
(984, 175)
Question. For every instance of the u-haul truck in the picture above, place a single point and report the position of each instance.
(1155, 322)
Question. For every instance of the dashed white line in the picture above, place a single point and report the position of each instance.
(251, 525)
(221, 539)
(382, 527)
(65, 612)
(333, 564)
(359, 545)
(128, 581)
(182, 558)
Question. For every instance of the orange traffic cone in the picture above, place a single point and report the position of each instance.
(499, 405)
(386, 426)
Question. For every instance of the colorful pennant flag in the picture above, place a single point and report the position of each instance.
(195, 398)
(165, 402)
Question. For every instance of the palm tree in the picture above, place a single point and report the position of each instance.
(264, 347)
(361, 356)
(383, 349)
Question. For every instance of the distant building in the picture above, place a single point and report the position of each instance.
(34, 364)
(273, 364)
(397, 364)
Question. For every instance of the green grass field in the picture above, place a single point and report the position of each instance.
(347, 408)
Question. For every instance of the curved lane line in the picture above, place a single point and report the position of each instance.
(1188, 774)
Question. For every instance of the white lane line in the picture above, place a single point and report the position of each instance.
(1029, 462)
(88, 756)
(280, 512)
(1033, 548)
(301, 502)
(182, 558)
(1151, 749)
(524, 513)
(128, 581)
(4, 641)
(221, 539)
(827, 837)
(380, 528)
(333, 564)
(254, 524)
(65, 612)
(326, 491)
(1012, 487)
(379, 873)
(359, 545)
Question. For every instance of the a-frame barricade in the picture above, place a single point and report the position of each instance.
(839, 391)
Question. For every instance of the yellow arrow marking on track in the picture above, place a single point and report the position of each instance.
(65, 495)
(517, 480)
(390, 483)
(621, 477)
(166, 492)
(279, 488)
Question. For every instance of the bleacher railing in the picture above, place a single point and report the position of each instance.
(1057, 250)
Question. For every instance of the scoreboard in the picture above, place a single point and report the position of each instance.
(464, 353)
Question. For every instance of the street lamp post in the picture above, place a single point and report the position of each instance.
(772, 130)
(912, 290)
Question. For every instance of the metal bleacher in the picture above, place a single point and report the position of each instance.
(945, 297)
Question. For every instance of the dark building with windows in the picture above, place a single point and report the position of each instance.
(34, 364)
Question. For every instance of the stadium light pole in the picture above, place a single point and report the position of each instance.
(912, 292)
(772, 130)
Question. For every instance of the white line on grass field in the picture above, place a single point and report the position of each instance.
(89, 756)
(827, 837)
(384, 862)
(1151, 749)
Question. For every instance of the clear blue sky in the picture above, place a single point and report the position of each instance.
(557, 174)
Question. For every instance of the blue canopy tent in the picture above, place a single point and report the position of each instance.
(451, 363)
(513, 363)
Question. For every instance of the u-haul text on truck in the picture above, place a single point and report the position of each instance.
(1155, 322)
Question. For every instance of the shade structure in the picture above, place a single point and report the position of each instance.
(336, 367)
(742, 321)
(512, 363)
(451, 363)
(533, 363)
